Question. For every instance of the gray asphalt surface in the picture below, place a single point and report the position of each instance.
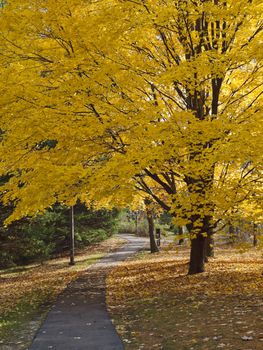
(79, 320)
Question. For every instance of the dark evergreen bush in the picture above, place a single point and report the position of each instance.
(39, 238)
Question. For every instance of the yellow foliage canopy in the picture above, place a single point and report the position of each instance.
(105, 98)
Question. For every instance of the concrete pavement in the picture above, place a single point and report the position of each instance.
(79, 320)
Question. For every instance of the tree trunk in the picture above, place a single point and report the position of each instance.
(153, 246)
(201, 245)
(209, 246)
(197, 255)
(180, 231)
(181, 241)
(232, 233)
(255, 238)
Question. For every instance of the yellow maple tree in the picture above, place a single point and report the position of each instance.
(102, 97)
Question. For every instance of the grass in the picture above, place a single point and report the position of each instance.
(26, 293)
(156, 305)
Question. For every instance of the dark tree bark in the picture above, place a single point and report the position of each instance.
(255, 238)
(199, 245)
(209, 248)
(197, 255)
(180, 231)
(232, 233)
(153, 245)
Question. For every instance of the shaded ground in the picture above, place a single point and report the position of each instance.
(155, 305)
(26, 293)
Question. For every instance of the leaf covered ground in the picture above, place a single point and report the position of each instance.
(26, 293)
(156, 305)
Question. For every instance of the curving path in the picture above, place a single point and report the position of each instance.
(79, 320)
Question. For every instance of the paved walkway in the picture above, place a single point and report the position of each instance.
(79, 320)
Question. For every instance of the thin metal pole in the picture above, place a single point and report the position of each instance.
(136, 223)
(72, 237)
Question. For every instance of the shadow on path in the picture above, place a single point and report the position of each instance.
(79, 320)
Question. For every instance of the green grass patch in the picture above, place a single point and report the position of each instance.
(36, 302)
(32, 305)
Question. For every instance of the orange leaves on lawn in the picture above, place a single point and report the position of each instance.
(155, 305)
(164, 275)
